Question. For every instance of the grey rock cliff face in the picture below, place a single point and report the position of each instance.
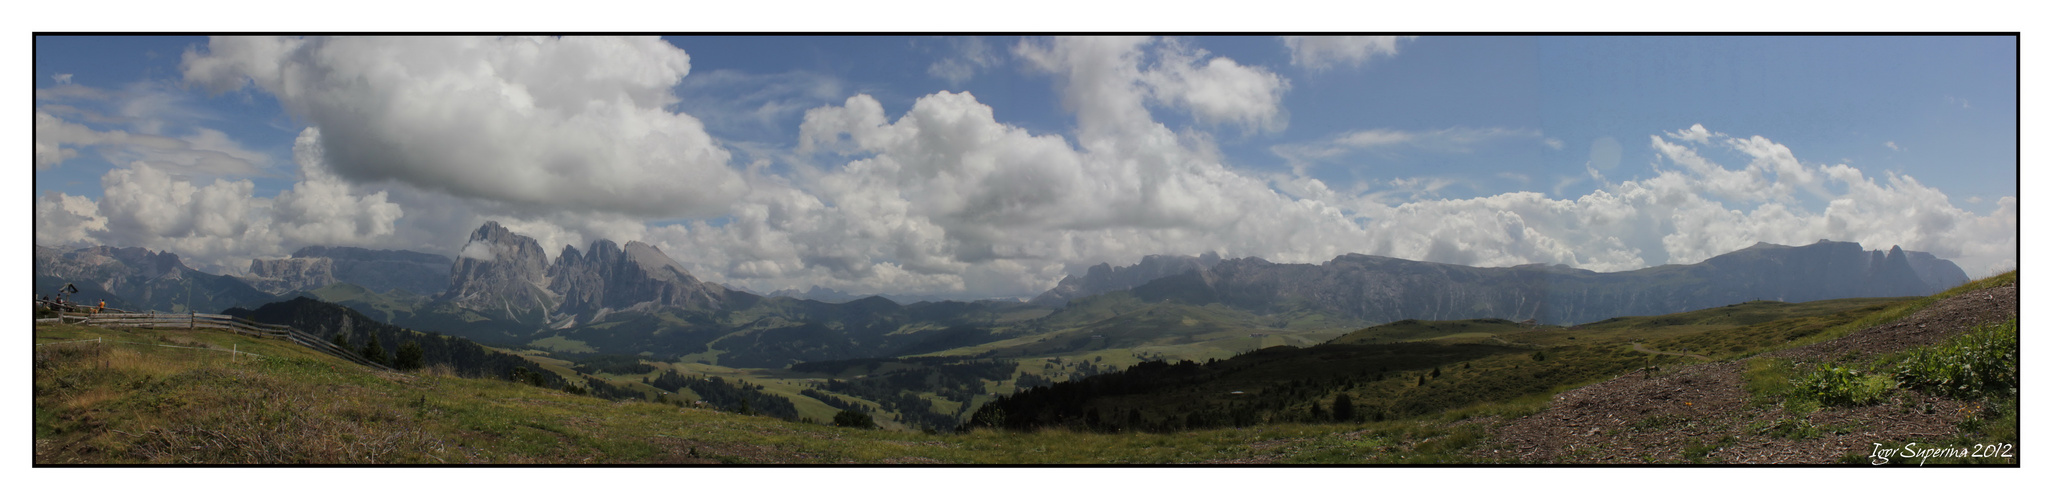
(638, 275)
(109, 267)
(1103, 277)
(1936, 272)
(277, 276)
(384, 270)
(500, 271)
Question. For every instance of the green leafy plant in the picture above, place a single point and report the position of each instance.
(1981, 363)
(1840, 385)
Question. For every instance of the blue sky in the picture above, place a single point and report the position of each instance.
(993, 166)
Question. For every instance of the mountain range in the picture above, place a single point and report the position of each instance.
(1382, 289)
(136, 278)
(634, 298)
(380, 270)
(1103, 277)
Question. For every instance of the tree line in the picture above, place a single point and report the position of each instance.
(736, 396)
(1327, 383)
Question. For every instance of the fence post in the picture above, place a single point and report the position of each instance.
(191, 320)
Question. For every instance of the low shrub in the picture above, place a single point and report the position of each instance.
(1981, 363)
(1840, 385)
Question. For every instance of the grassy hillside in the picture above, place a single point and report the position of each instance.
(174, 396)
(129, 400)
(1406, 369)
(386, 307)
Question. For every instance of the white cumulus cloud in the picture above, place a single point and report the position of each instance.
(966, 57)
(1109, 80)
(542, 124)
(219, 226)
(321, 210)
(413, 143)
(211, 225)
(66, 220)
(1324, 52)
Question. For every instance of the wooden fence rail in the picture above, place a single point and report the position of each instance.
(218, 322)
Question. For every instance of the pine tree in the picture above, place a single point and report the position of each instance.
(374, 351)
(409, 356)
(341, 341)
(856, 419)
(1343, 408)
(1435, 372)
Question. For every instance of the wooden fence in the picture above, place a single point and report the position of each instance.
(189, 321)
(218, 322)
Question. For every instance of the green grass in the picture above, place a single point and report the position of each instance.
(380, 306)
(1990, 431)
(112, 402)
(1982, 363)
(1768, 378)
(560, 344)
(121, 403)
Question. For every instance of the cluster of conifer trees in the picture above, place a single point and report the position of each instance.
(394, 346)
(736, 396)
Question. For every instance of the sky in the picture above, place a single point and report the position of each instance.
(991, 166)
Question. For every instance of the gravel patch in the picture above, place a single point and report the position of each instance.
(1943, 320)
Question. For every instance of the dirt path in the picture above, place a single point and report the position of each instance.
(1703, 412)
(1636, 347)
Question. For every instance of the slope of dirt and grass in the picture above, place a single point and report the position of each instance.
(1842, 394)
(1828, 387)
(1398, 370)
(168, 397)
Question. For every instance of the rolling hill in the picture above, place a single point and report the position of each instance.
(119, 397)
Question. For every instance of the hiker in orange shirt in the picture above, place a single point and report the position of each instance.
(103, 306)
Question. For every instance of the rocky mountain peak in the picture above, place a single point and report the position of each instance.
(1102, 278)
(376, 270)
(492, 231)
(500, 270)
(609, 277)
(1382, 289)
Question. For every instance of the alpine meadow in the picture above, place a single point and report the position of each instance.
(1524, 250)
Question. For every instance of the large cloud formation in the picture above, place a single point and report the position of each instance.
(548, 124)
(942, 198)
(219, 226)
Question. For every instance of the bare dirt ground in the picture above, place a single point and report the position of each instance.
(1941, 321)
(1703, 413)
